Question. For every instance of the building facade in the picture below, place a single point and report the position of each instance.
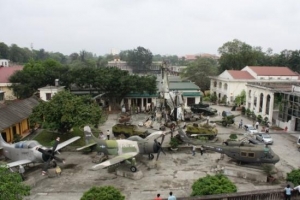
(260, 84)
(5, 73)
(14, 118)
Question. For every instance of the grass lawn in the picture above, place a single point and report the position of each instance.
(46, 137)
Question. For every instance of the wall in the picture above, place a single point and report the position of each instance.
(9, 95)
(53, 91)
(21, 128)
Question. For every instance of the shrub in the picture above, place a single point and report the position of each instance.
(174, 142)
(294, 176)
(103, 193)
(233, 136)
(209, 185)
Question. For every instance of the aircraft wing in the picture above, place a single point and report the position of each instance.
(65, 143)
(115, 160)
(86, 146)
(17, 163)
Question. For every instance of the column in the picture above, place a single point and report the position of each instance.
(257, 102)
(264, 104)
(142, 105)
(271, 107)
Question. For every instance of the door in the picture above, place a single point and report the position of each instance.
(297, 125)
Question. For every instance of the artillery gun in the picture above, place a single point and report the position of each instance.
(202, 130)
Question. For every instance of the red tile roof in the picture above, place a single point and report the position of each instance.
(236, 74)
(191, 57)
(272, 71)
(6, 72)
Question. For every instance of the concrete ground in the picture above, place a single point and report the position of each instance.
(175, 171)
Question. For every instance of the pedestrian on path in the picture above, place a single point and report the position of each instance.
(241, 124)
(256, 125)
(194, 150)
(107, 134)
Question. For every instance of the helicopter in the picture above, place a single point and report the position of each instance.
(242, 152)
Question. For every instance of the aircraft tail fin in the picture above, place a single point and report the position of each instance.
(88, 135)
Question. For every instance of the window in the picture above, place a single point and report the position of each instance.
(48, 96)
(244, 154)
(251, 155)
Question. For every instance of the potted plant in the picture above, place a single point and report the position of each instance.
(269, 171)
(174, 143)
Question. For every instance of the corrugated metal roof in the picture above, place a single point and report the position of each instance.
(16, 112)
(183, 86)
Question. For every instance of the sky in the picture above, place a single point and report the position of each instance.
(166, 27)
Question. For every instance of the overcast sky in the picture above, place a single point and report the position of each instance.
(173, 27)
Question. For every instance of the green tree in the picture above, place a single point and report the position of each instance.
(103, 193)
(294, 176)
(65, 111)
(236, 55)
(199, 70)
(209, 185)
(36, 74)
(4, 51)
(140, 59)
(11, 186)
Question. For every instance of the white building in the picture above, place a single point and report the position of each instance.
(46, 93)
(4, 63)
(253, 79)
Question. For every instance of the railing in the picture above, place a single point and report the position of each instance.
(268, 194)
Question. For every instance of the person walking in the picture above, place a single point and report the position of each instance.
(201, 150)
(107, 134)
(158, 197)
(288, 192)
(171, 196)
(194, 150)
(256, 125)
(241, 124)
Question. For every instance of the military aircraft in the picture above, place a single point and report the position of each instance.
(30, 151)
(242, 152)
(124, 149)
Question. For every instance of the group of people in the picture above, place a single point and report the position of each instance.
(194, 150)
(171, 197)
(288, 191)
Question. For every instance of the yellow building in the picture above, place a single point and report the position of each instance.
(14, 118)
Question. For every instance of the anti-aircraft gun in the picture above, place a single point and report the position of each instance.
(202, 130)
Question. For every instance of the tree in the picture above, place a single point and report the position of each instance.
(11, 186)
(36, 74)
(103, 193)
(199, 70)
(140, 59)
(236, 55)
(65, 111)
(209, 185)
(4, 51)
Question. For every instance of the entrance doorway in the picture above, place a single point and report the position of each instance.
(297, 125)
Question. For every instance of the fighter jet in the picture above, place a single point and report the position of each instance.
(125, 149)
(243, 153)
(30, 151)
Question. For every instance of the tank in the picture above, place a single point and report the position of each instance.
(126, 130)
(205, 130)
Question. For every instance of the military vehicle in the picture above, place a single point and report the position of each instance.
(126, 130)
(200, 105)
(204, 130)
(226, 120)
(205, 111)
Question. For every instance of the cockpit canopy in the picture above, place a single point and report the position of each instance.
(27, 144)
